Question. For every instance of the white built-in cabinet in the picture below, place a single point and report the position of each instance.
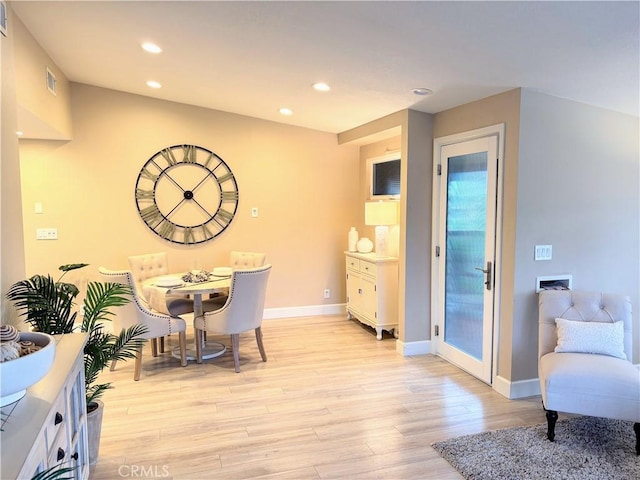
(372, 290)
(48, 426)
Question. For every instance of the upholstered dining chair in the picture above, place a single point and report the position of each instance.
(150, 265)
(584, 364)
(238, 261)
(242, 312)
(137, 311)
(241, 260)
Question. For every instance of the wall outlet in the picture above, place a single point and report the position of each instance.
(254, 212)
(327, 293)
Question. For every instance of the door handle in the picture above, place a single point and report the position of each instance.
(487, 272)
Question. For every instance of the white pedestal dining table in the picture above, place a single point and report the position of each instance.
(156, 289)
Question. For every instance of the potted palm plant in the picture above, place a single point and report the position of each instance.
(48, 306)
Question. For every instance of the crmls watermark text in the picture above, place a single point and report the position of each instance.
(143, 471)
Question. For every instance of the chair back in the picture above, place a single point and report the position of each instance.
(244, 307)
(147, 266)
(581, 306)
(138, 310)
(243, 260)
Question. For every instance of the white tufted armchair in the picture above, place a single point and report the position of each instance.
(584, 361)
(137, 311)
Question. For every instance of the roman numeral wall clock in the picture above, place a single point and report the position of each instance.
(186, 194)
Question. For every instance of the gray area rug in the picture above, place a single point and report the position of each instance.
(585, 448)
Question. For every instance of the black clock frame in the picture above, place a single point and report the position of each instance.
(159, 166)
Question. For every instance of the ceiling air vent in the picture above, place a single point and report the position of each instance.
(51, 81)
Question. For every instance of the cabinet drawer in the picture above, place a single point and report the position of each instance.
(368, 267)
(353, 264)
(59, 451)
(57, 421)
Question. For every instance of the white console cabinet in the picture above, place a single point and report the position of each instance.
(372, 290)
(48, 426)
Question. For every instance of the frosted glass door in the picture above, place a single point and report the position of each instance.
(467, 254)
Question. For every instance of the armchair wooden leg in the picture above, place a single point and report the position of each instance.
(138, 365)
(161, 344)
(235, 345)
(636, 428)
(182, 341)
(263, 354)
(552, 417)
(198, 335)
(154, 347)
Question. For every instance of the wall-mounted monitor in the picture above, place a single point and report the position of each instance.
(383, 174)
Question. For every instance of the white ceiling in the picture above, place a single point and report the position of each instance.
(252, 58)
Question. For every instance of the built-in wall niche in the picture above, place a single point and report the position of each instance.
(383, 177)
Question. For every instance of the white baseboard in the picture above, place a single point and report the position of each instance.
(518, 389)
(305, 311)
(413, 348)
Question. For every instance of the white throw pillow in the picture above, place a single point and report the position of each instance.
(590, 337)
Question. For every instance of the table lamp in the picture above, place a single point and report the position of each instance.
(381, 215)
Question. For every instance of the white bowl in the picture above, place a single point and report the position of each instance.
(19, 374)
(222, 271)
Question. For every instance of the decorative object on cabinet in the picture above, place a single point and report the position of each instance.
(372, 291)
(47, 306)
(186, 194)
(18, 374)
(47, 428)
(381, 215)
(364, 245)
(352, 238)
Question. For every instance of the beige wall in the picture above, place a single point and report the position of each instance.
(41, 114)
(304, 184)
(503, 108)
(415, 141)
(578, 190)
(11, 241)
(571, 178)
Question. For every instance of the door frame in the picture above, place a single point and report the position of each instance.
(436, 288)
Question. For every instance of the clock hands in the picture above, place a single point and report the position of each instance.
(189, 194)
(200, 213)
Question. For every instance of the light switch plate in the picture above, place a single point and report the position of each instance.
(46, 234)
(543, 252)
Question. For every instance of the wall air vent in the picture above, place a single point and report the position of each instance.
(3, 18)
(51, 81)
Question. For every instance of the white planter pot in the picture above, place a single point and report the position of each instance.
(94, 429)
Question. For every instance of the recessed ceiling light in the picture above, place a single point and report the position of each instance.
(153, 84)
(151, 47)
(321, 87)
(286, 111)
(421, 91)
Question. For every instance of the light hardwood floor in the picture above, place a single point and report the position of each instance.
(331, 402)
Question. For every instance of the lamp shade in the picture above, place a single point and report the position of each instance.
(381, 213)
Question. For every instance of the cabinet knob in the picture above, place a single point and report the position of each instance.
(61, 454)
(75, 456)
(360, 291)
(58, 419)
